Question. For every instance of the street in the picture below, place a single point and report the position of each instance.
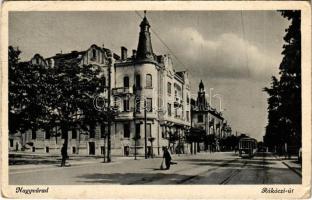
(203, 168)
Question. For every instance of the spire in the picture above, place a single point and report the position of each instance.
(201, 86)
(145, 50)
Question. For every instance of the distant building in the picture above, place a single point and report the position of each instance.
(207, 118)
(143, 78)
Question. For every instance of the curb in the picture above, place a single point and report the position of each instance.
(292, 169)
(289, 167)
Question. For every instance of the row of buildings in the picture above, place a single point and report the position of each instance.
(138, 75)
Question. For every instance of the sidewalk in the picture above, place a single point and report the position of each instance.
(292, 164)
(22, 161)
(35, 161)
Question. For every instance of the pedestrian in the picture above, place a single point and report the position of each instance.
(167, 157)
(64, 155)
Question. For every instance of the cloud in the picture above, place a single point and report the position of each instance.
(226, 56)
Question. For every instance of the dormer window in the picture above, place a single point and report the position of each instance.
(93, 54)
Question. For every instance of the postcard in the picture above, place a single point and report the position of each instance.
(151, 99)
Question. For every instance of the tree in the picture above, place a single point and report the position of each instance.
(15, 91)
(27, 91)
(284, 102)
(72, 92)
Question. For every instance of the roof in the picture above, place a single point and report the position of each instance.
(145, 49)
(68, 56)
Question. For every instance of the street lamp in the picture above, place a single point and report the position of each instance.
(145, 127)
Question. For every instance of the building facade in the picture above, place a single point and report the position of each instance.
(208, 119)
(152, 99)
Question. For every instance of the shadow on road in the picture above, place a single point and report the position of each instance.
(130, 178)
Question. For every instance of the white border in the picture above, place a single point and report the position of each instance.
(163, 191)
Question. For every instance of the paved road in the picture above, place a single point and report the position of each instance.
(203, 168)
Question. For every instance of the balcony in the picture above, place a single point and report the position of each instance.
(178, 101)
(122, 91)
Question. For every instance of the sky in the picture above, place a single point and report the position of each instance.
(233, 52)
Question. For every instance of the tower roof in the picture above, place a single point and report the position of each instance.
(145, 50)
(201, 85)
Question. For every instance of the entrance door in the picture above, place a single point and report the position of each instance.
(126, 150)
(91, 148)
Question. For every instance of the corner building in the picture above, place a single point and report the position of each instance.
(146, 82)
(140, 83)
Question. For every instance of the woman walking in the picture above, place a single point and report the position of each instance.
(167, 157)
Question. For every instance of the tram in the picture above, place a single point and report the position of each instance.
(247, 147)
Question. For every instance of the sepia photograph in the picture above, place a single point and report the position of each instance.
(155, 97)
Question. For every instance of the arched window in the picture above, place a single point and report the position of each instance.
(126, 81)
(149, 80)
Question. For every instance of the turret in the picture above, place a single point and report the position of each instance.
(145, 50)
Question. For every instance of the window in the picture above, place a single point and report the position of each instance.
(33, 134)
(115, 101)
(149, 80)
(149, 103)
(126, 81)
(47, 134)
(169, 109)
(33, 149)
(47, 149)
(126, 130)
(126, 105)
(187, 116)
(138, 131)
(93, 54)
(138, 81)
(200, 118)
(74, 150)
(11, 142)
(102, 150)
(103, 130)
(169, 88)
(188, 100)
(148, 130)
(74, 133)
(92, 130)
(137, 104)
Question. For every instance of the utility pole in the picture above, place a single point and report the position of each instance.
(109, 111)
(145, 127)
(220, 101)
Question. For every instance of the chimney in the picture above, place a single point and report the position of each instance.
(123, 53)
(134, 53)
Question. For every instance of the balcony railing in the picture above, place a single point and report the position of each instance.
(122, 91)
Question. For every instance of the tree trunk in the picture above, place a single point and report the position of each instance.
(65, 136)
